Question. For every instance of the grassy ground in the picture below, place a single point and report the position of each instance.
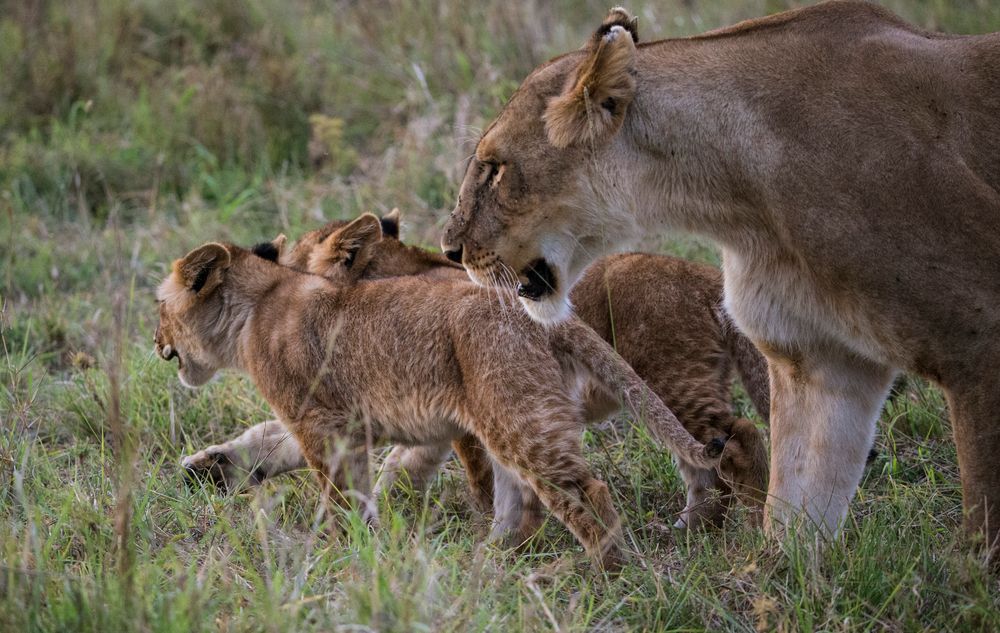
(131, 131)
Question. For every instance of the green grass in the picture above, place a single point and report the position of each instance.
(132, 131)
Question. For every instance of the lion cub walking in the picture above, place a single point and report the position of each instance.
(687, 359)
(411, 361)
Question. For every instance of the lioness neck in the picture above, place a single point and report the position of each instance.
(696, 154)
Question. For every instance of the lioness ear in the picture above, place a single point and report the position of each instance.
(350, 246)
(617, 16)
(592, 106)
(201, 270)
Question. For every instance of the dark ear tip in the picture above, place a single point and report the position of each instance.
(266, 250)
(390, 226)
(715, 447)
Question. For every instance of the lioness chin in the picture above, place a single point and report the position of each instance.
(673, 333)
(847, 163)
(401, 360)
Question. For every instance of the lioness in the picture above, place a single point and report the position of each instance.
(674, 334)
(408, 360)
(847, 163)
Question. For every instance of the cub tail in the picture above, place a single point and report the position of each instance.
(584, 346)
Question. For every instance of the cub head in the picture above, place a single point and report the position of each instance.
(741, 475)
(190, 303)
(341, 254)
(536, 196)
(348, 251)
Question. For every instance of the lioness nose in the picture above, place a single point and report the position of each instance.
(454, 254)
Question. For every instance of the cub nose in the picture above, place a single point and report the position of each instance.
(454, 254)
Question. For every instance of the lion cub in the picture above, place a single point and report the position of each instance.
(687, 359)
(412, 361)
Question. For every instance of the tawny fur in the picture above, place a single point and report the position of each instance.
(847, 163)
(663, 314)
(406, 360)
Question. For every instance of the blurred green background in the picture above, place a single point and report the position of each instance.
(134, 130)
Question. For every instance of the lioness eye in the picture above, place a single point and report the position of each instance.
(489, 170)
(497, 175)
(493, 172)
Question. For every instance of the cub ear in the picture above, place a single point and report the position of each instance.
(201, 270)
(390, 224)
(592, 106)
(271, 251)
(351, 247)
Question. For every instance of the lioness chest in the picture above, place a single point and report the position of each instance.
(784, 311)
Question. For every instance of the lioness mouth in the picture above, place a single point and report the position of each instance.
(541, 281)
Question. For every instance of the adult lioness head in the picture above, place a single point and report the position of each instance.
(537, 194)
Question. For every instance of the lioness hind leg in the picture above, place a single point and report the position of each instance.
(824, 406)
(974, 415)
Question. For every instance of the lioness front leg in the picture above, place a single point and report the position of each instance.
(517, 512)
(824, 406)
(974, 413)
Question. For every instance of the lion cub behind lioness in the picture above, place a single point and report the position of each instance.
(411, 361)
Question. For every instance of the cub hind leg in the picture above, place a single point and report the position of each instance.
(479, 470)
(418, 463)
(545, 453)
